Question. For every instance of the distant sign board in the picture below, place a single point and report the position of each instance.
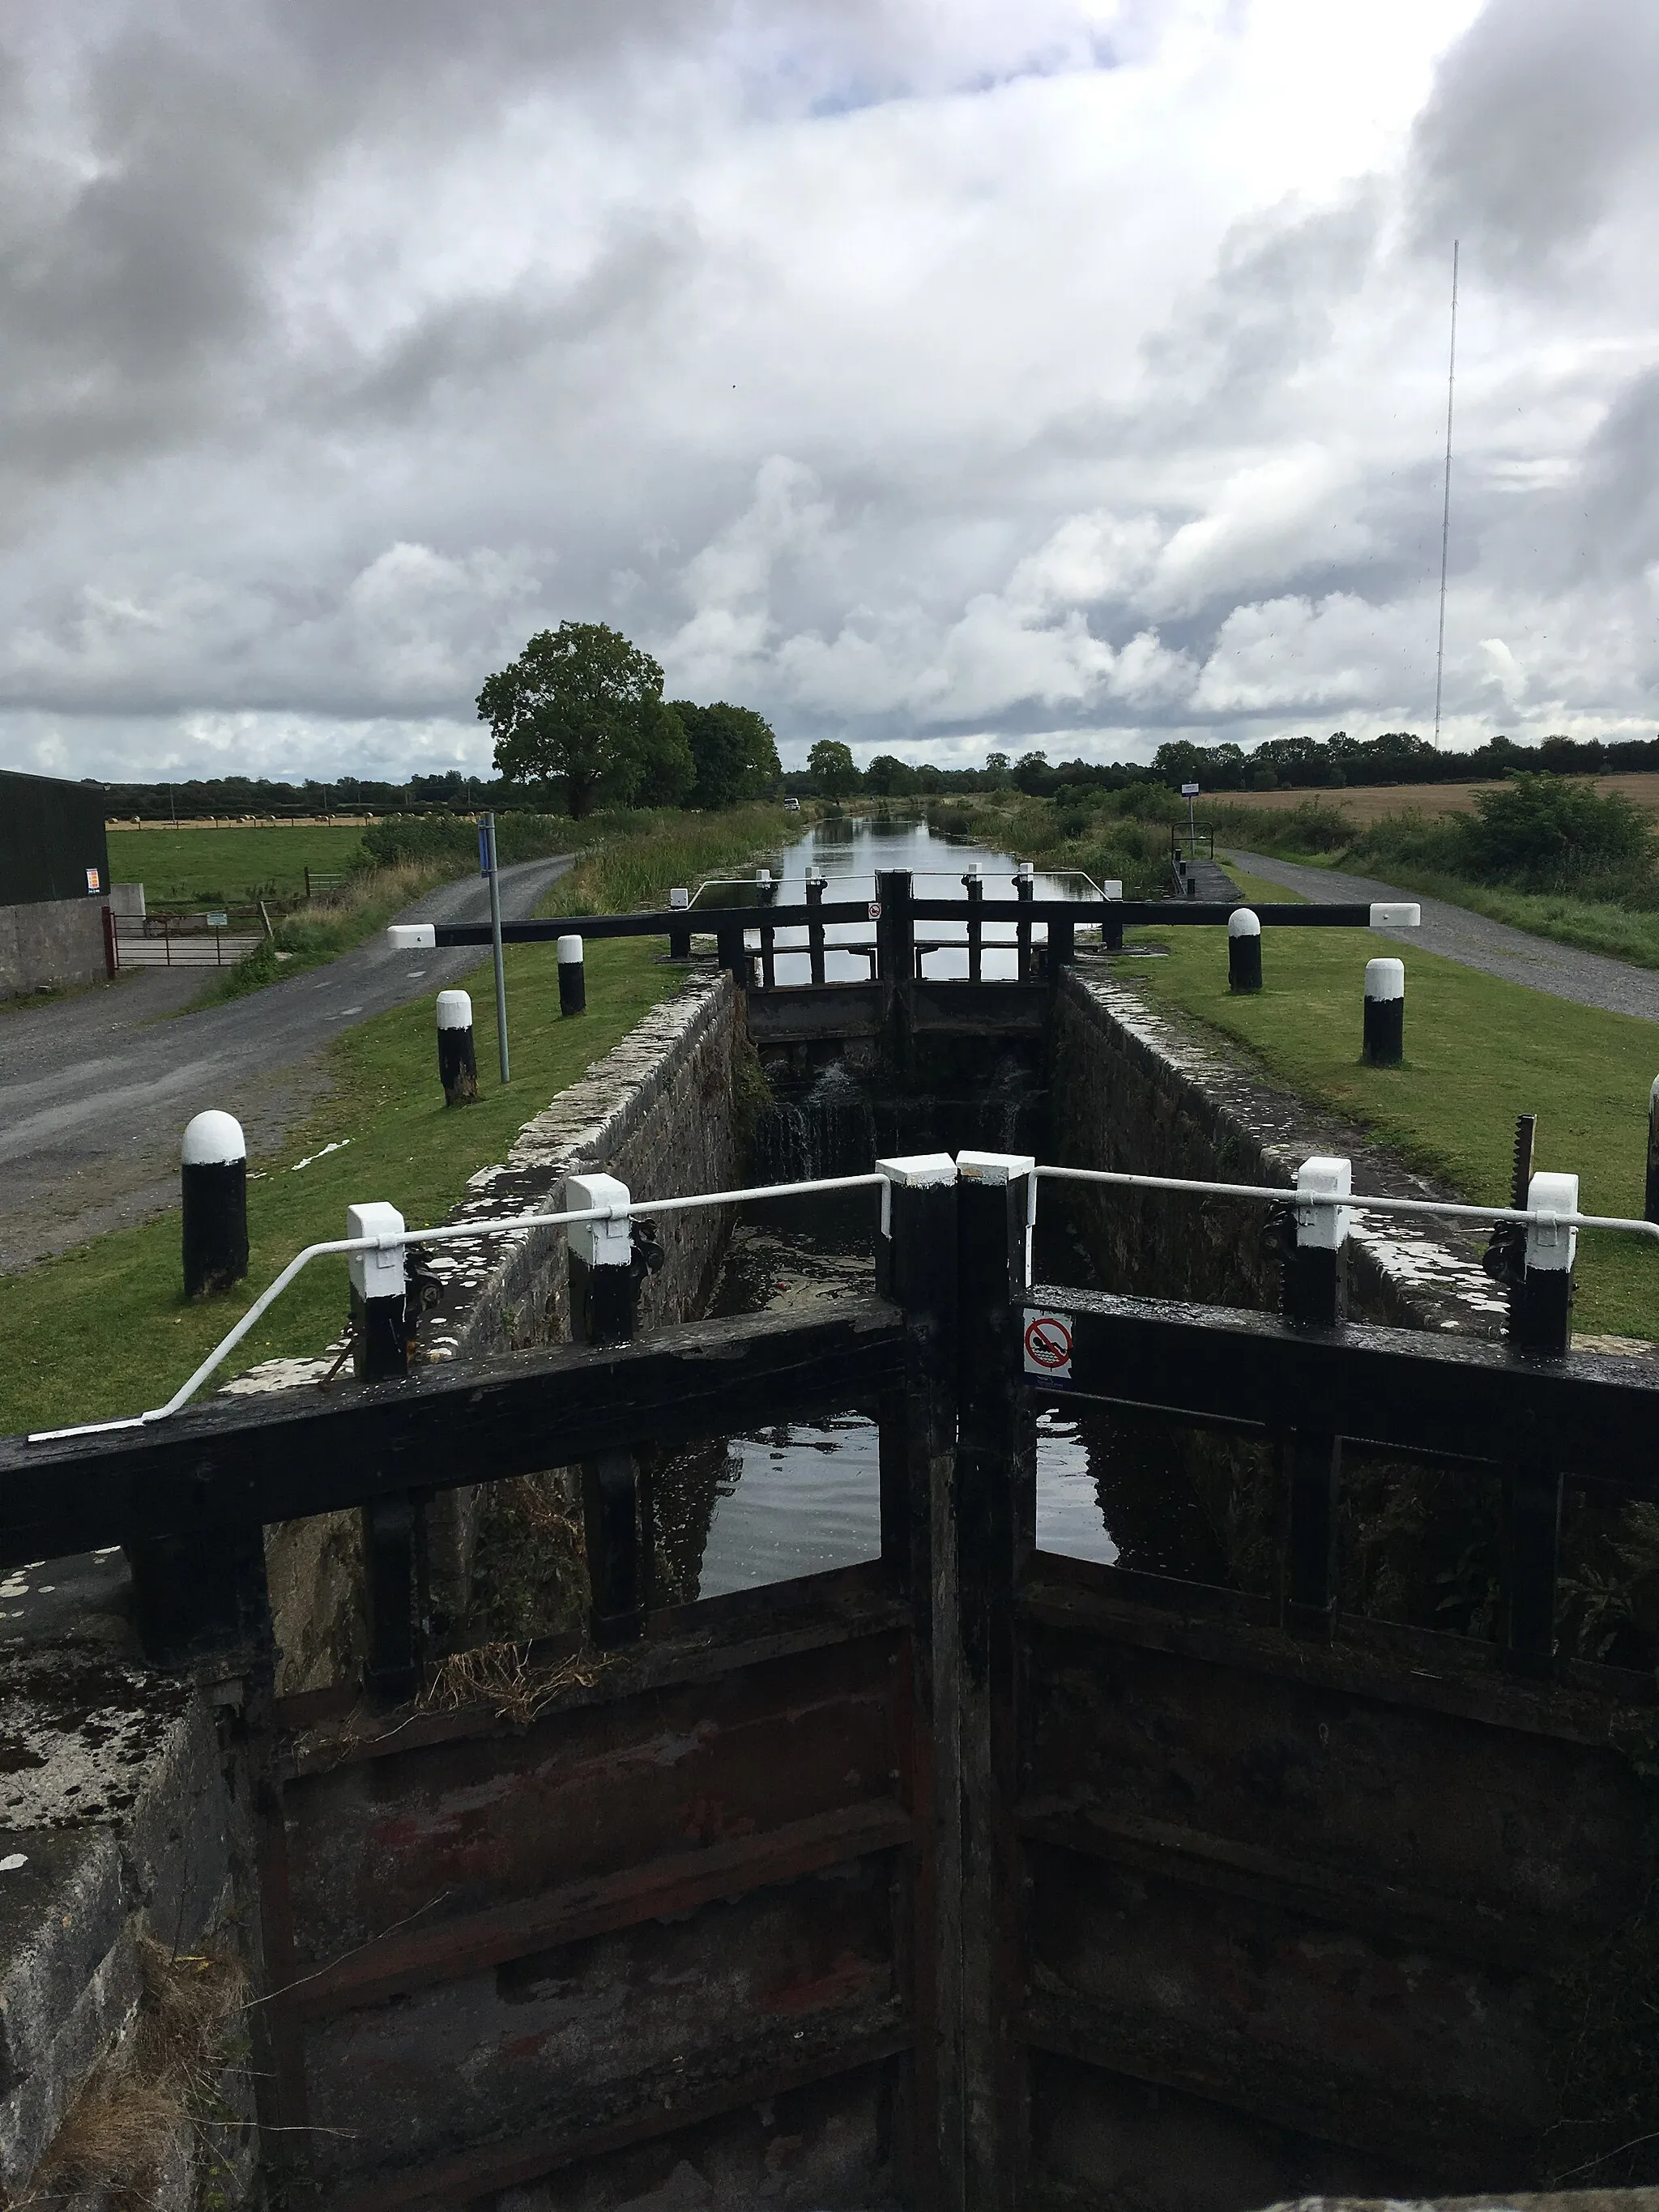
(1189, 791)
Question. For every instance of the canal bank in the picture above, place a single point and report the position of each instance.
(1288, 1916)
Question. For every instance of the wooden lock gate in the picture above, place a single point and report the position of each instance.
(972, 1874)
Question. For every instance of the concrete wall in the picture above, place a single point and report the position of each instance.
(122, 1851)
(49, 943)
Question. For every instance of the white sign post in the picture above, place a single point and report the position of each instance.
(1189, 793)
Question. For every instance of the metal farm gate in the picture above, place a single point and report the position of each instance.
(970, 1876)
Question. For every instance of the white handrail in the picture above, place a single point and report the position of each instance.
(1352, 1201)
(445, 1233)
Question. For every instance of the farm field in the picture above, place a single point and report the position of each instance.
(1478, 1051)
(1364, 803)
(231, 865)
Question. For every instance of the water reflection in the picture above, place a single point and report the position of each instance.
(847, 852)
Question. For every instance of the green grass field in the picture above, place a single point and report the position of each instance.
(1478, 1051)
(234, 865)
(104, 1330)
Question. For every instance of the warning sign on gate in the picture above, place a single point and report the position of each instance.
(1048, 1344)
(875, 910)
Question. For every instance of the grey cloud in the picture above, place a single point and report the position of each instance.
(1535, 113)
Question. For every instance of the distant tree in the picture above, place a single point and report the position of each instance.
(835, 772)
(733, 750)
(1034, 776)
(888, 777)
(582, 707)
(996, 768)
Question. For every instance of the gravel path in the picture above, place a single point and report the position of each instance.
(95, 1090)
(1591, 978)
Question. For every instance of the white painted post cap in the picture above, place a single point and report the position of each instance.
(1385, 979)
(570, 952)
(1653, 1094)
(212, 1141)
(999, 1168)
(973, 869)
(601, 1244)
(1550, 1246)
(1113, 887)
(1396, 914)
(376, 1275)
(1027, 868)
(918, 1170)
(679, 900)
(412, 936)
(454, 1010)
(1323, 1227)
(762, 875)
(1242, 922)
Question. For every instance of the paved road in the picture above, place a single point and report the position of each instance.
(95, 1090)
(1590, 978)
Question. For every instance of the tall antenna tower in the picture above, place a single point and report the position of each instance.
(1445, 504)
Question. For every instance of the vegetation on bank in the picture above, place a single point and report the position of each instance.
(1478, 1051)
(105, 1330)
(1540, 851)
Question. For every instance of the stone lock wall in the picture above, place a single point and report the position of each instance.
(657, 1112)
(1136, 1089)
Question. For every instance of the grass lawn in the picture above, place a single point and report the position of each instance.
(261, 861)
(104, 1330)
(1478, 1051)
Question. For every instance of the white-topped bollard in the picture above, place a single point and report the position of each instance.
(1385, 1013)
(213, 1173)
(458, 1060)
(680, 933)
(601, 1262)
(1315, 1271)
(1244, 950)
(1541, 1315)
(572, 981)
(379, 1283)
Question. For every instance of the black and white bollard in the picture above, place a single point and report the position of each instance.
(1244, 950)
(573, 980)
(379, 1283)
(1651, 1210)
(458, 1062)
(1316, 1260)
(214, 1175)
(1541, 1313)
(617, 1512)
(679, 933)
(1315, 1297)
(1385, 1013)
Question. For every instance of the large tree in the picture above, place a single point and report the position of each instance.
(582, 707)
(835, 772)
(734, 750)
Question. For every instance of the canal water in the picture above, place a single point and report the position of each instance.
(802, 1498)
(849, 852)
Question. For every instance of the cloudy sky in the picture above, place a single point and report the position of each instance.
(940, 375)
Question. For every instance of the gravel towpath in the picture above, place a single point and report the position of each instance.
(1591, 978)
(95, 1090)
